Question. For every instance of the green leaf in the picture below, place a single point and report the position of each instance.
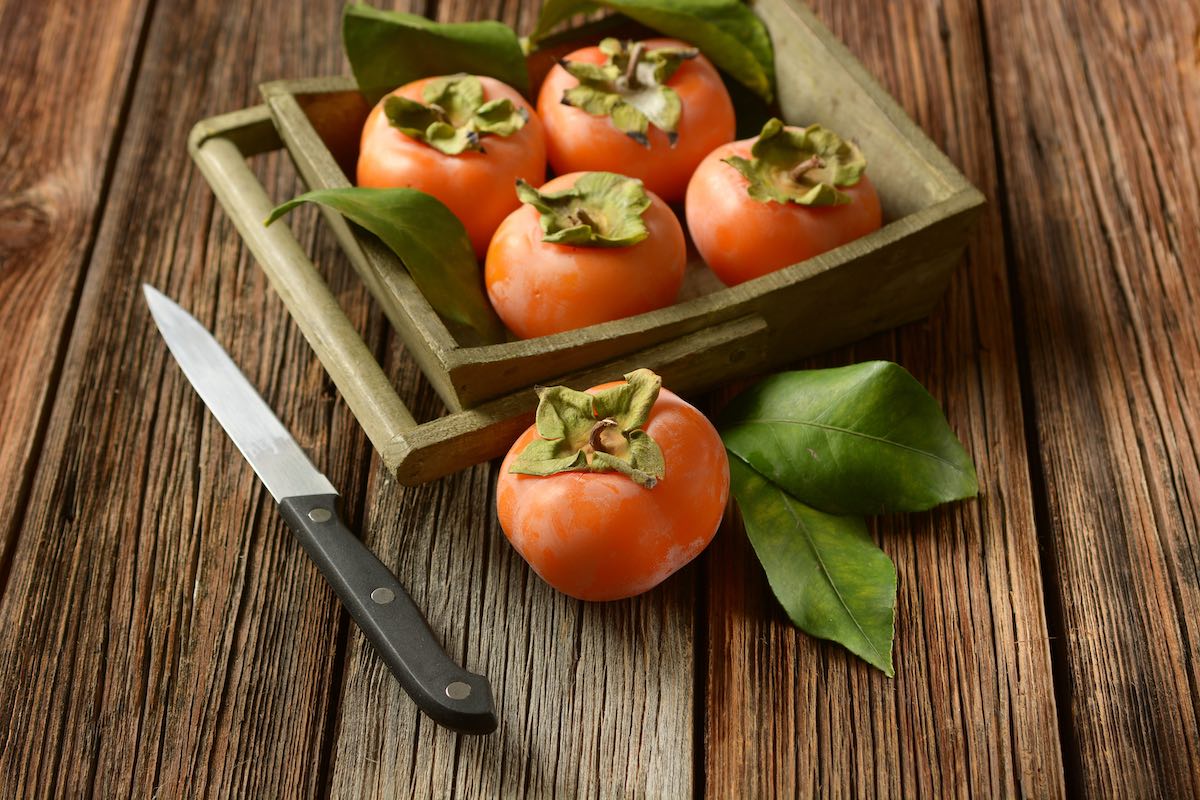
(556, 12)
(726, 31)
(602, 209)
(863, 439)
(825, 570)
(387, 49)
(428, 238)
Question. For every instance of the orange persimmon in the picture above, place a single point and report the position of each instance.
(643, 496)
(587, 248)
(651, 110)
(759, 205)
(463, 139)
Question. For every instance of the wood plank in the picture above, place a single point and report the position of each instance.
(595, 700)
(1098, 118)
(971, 710)
(53, 172)
(162, 633)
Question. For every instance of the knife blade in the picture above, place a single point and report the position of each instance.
(447, 693)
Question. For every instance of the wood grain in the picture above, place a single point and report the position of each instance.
(162, 634)
(53, 178)
(972, 708)
(1096, 107)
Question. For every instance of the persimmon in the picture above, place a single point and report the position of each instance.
(613, 489)
(759, 205)
(586, 248)
(463, 139)
(650, 109)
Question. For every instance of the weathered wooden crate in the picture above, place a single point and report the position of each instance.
(712, 334)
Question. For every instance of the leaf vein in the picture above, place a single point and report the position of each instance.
(851, 432)
(789, 499)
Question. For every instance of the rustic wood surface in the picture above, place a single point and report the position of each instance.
(1098, 106)
(161, 633)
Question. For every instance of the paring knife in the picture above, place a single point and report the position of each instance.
(450, 695)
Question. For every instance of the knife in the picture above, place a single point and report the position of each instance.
(446, 692)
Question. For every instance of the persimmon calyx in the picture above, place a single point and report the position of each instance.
(602, 209)
(800, 165)
(630, 88)
(602, 432)
(454, 117)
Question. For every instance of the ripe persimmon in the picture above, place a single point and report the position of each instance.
(614, 489)
(587, 248)
(463, 139)
(762, 204)
(651, 110)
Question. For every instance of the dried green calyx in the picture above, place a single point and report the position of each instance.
(600, 432)
(630, 87)
(602, 209)
(454, 117)
(800, 165)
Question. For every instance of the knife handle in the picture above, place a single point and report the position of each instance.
(449, 694)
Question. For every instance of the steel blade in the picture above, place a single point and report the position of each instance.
(275, 455)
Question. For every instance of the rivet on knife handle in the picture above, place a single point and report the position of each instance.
(449, 694)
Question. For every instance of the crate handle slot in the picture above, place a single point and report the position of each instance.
(220, 147)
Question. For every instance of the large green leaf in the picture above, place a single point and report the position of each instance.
(826, 571)
(726, 31)
(387, 49)
(428, 238)
(863, 439)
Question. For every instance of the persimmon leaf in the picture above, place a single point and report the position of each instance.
(826, 571)
(387, 49)
(428, 238)
(862, 439)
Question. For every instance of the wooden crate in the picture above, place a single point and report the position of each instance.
(713, 333)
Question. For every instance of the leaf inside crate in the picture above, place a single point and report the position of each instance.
(387, 49)
(429, 239)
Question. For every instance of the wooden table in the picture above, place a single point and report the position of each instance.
(161, 634)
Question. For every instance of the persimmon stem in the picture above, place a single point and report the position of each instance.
(606, 437)
(812, 162)
(581, 217)
(635, 55)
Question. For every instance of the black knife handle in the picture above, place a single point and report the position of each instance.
(449, 694)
